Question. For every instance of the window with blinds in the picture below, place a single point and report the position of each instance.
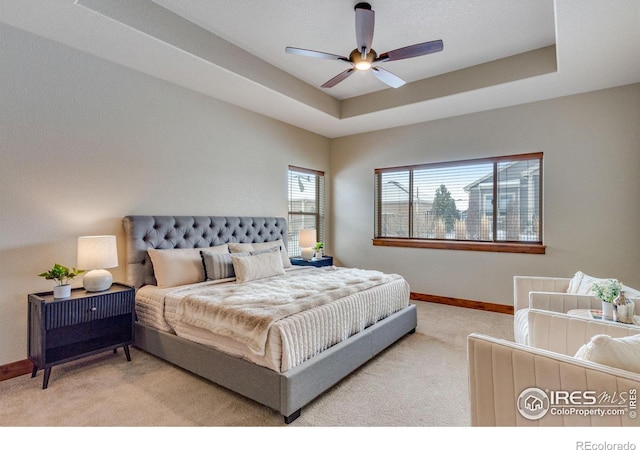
(491, 200)
(306, 205)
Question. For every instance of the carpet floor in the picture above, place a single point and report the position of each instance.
(420, 381)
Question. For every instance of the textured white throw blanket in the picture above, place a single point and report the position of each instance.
(245, 311)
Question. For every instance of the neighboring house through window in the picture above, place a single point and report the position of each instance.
(306, 205)
(492, 204)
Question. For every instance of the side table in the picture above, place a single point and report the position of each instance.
(595, 314)
(83, 324)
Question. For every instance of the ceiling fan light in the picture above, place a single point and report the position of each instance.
(363, 65)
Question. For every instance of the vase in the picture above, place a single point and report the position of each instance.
(319, 254)
(63, 291)
(607, 310)
(623, 309)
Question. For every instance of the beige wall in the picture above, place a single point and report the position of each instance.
(85, 142)
(591, 145)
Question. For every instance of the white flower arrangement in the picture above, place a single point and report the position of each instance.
(607, 290)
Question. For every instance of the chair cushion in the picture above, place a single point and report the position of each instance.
(622, 353)
(521, 326)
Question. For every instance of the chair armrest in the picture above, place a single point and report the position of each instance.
(562, 302)
(564, 334)
(499, 371)
(522, 285)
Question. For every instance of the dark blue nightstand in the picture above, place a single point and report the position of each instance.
(321, 262)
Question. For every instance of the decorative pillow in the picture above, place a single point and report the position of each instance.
(574, 283)
(217, 265)
(255, 267)
(581, 283)
(178, 266)
(235, 247)
(622, 353)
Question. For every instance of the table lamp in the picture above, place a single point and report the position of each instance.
(95, 254)
(307, 240)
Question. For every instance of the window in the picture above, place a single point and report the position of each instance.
(491, 204)
(306, 205)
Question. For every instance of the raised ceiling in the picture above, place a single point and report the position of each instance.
(496, 52)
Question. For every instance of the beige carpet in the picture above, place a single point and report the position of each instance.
(419, 381)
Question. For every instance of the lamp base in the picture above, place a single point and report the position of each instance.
(306, 253)
(97, 280)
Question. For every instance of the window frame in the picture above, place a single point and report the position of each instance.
(495, 245)
(319, 214)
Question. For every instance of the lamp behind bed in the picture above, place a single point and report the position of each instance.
(307, 239)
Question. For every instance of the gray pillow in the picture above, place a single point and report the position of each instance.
(217, 265)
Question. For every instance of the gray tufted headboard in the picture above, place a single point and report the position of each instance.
(165, 232)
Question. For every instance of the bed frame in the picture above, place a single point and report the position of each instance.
(285, 392)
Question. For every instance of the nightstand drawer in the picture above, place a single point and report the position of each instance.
(65, 313)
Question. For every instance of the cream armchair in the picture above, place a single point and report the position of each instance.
(502, 373)
(550, 294)
(545, 293)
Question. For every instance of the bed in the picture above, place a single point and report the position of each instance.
(283, 361)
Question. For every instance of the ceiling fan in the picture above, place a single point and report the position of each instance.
(364, 57)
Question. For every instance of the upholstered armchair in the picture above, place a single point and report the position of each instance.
(506, 379)
(545, 293)
(554, 294)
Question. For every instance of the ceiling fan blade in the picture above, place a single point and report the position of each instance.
(412, 51)
(365, 21)
(338, 78)
(387, 77)
(314, 53)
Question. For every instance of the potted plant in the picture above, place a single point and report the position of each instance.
(62, 275)
(607, 291)
(318, 249)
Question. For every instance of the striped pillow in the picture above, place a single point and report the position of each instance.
(217, 266)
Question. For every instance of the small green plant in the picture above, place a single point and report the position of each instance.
(318, 246)
(607, 290)
(61, 274)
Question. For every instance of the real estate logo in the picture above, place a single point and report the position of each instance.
(534, 403)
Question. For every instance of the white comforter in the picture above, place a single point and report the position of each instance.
(246, 311)
(365, 298)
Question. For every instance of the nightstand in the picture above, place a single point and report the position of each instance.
(83, 324)
(319, 262)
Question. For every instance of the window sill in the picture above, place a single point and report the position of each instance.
(502, 247)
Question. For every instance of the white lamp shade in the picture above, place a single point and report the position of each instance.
(96, 253)
(307, 238)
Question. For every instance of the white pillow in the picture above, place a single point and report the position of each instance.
(622, 353)
(235, 247)
(178, 266)
(574, 283)
(581, 284)
(256, 267)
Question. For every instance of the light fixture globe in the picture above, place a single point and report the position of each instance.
(361, 63)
